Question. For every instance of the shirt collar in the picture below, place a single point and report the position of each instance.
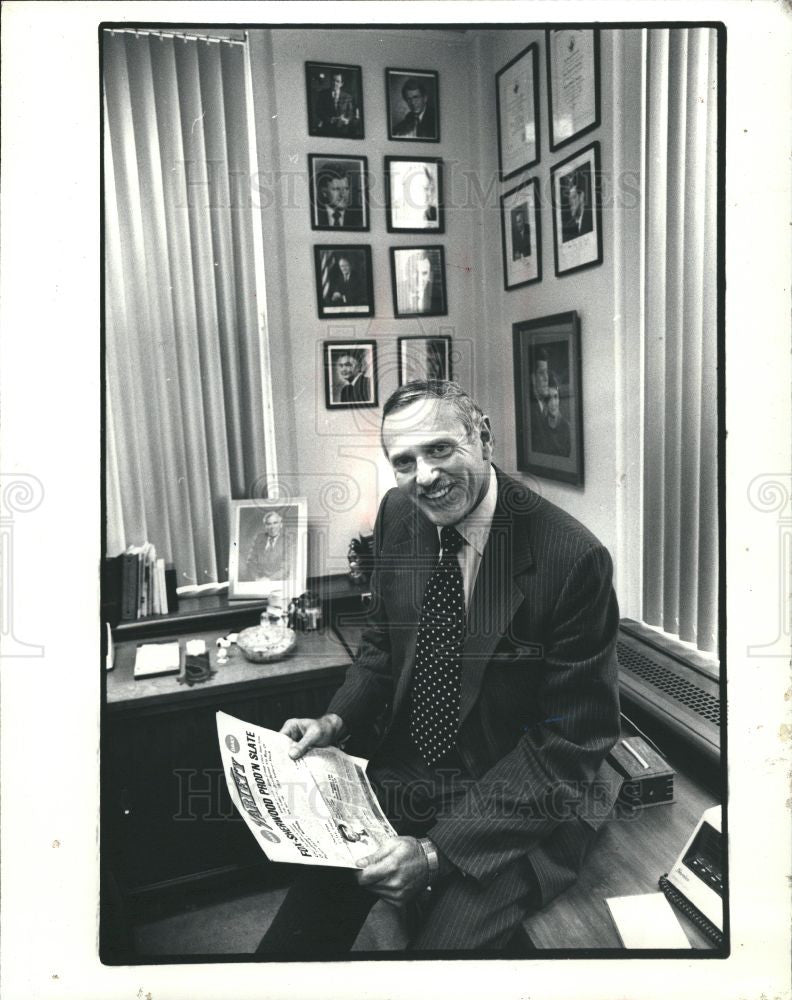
(475, 528)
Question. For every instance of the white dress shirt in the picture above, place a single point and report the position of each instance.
(475, 529)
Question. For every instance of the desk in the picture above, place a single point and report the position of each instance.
(627, 858)
(166, 814)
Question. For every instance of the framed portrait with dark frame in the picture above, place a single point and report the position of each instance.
(339, 192)
(573, 83)
(548, 397)
(335, 100)
(521, 235)
(424, 358)
(517, 112)
(418, 281)
(577, 211)
(269, 549)
(350, 369)
(414, 194)
(344, 285)
(413, 101)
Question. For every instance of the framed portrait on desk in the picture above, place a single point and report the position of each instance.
(269, 549)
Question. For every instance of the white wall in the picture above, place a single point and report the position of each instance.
(318, 448)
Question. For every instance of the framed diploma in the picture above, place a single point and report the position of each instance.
(517, 100)
(573, 83)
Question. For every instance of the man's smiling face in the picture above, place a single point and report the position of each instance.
(445, 472)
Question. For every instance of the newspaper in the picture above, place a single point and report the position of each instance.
(318, 810)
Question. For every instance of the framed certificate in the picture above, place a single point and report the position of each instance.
(573, 83)
(517, 100)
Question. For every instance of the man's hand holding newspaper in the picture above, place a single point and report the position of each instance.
(309, 802)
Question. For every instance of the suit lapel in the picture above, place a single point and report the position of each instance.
(496, 595)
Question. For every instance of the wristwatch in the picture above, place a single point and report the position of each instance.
(431, 855)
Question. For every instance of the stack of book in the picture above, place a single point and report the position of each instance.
(143, 590)
(135, 584)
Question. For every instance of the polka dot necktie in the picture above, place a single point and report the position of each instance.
(437, 677)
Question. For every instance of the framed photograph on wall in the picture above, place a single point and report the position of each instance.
(423, 358)
(343, 281)
(414, 194)
(577, 211)
(517, 107)
(548, 397)
(350, 373)
(335, 100)
(521, 235)
(573, 83)
(339, 192)
(269, 549)
(412, 97)
(418, 280)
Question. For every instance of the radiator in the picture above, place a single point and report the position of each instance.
(679, 695)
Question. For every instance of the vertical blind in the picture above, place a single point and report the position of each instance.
(184, 403)
(680, 588)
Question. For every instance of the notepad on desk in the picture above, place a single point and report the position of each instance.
(155, 659)
(646, 921)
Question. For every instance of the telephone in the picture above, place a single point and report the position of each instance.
(695, 884)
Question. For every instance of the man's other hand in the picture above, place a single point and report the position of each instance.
(307, 733)
(397, 871)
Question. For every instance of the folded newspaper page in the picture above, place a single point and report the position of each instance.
(318, 810)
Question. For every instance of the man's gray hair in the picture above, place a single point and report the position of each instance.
(468, 411)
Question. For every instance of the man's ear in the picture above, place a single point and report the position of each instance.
(487, 440)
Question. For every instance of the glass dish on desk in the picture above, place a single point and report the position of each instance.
(267, 642)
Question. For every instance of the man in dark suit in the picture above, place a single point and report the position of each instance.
(576, 217)
(346, 286)
(267, 556)
(335, 111)
(355, 387)
(540, 379)
(420, 121)
(557, 433)
(334, 209)
(521, 234)
(494, 669)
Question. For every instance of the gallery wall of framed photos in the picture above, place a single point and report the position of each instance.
(496, 250)
(371, 273)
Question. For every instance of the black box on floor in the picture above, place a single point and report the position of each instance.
(648, 779)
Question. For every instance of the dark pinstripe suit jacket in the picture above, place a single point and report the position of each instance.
(539, 705)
